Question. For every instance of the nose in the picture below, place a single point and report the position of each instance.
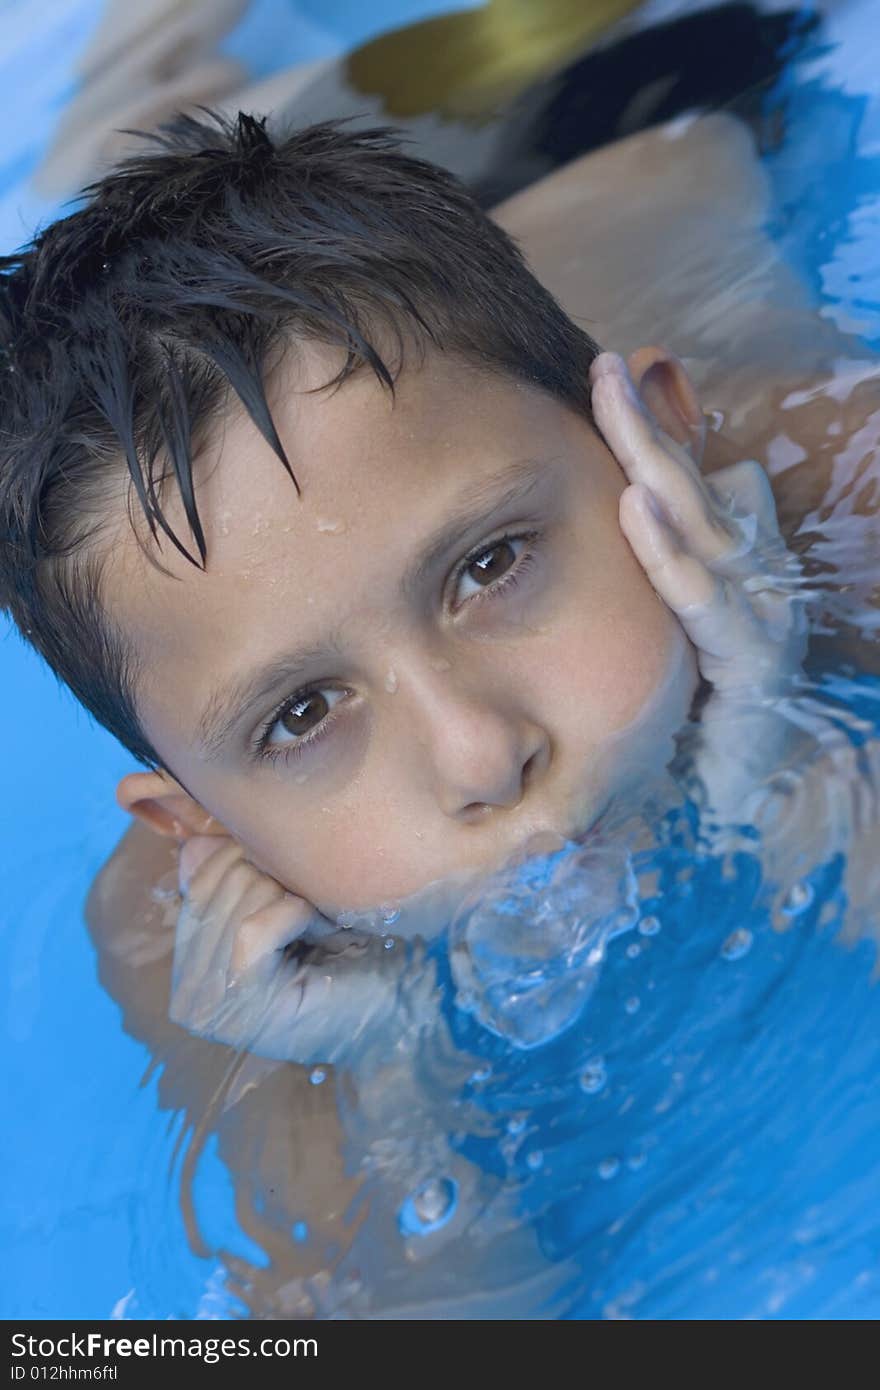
(482, 750)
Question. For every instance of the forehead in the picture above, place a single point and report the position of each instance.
(372, 472)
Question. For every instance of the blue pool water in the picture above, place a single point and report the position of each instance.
(704, 1142)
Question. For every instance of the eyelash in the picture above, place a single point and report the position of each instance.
(508, 580)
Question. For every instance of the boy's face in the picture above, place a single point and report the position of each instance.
(458, 644)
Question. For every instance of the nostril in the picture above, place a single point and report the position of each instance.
(530, 767)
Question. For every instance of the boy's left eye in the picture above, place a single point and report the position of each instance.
(490, 566)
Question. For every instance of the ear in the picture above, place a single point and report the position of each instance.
(667, 391)
(163, 804)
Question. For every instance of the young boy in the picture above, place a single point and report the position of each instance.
(432, 521)
(461, 698)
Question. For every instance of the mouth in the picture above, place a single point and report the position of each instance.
(431, 907)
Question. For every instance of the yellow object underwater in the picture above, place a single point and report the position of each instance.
(465, 65)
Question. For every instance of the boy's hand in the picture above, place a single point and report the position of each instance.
(713, 552)
(259, 968)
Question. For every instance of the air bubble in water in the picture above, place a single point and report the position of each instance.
(317, 1075)
(633, 950)
(535, 1160)
(389, 943)
(799, 898)
(390, 915)
(482, 1073)
(593, 1077)
(649, 926)
(633, 1004)
(527, 950)
(737, 945)
(608, 1168)
(429, 1207)
(300, 1232)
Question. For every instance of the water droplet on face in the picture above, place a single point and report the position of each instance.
(429, 1207)
(388, 943)
(391, 681)
(799, 898)
(593, 1077)
(535, 1160)
(633, 1004)
(649, 926)
(608, 1168)
(390, 915)
(737, 945)
(317, 1075)
(333, 528)
(441, 664)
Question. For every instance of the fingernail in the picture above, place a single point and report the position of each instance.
(612, 364)
(608, 364)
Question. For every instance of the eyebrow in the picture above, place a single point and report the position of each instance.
(230, 703)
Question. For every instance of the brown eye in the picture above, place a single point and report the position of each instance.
(302, 716)
(492, 564)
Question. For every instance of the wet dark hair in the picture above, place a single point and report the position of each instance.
(186, 274)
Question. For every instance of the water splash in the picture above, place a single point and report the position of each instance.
(527, 953)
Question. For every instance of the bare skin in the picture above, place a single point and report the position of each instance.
(574, 255)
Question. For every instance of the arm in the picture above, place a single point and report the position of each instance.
(278, 1135)
(133, 934)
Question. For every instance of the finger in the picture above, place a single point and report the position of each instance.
(268, 930)
(241, 888)
(203, 859)
(661, 465)
(715, 614)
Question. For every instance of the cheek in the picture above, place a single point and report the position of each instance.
(336, 855)
(610, 656)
